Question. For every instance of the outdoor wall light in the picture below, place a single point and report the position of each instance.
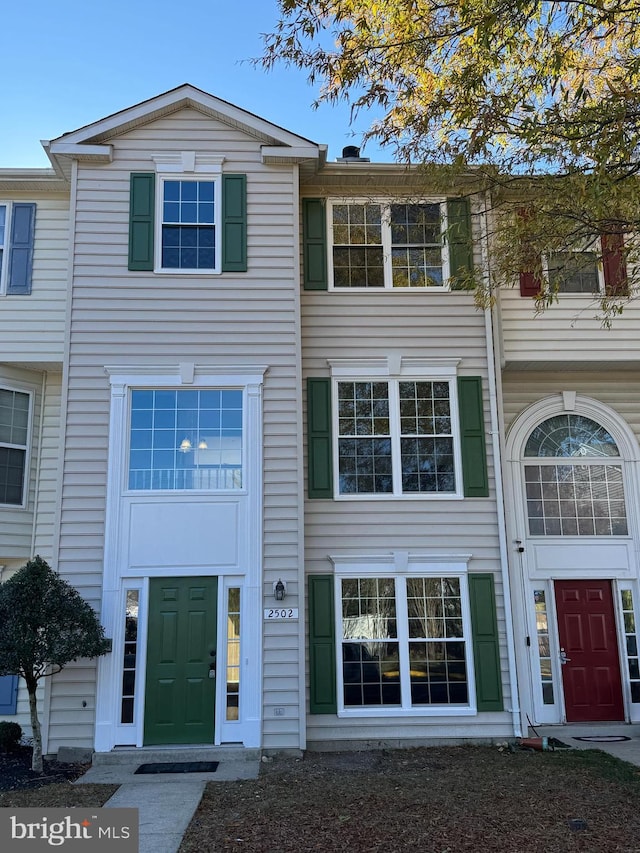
(280, 590)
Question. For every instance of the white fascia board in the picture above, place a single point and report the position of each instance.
(289, 154)
(98, 153)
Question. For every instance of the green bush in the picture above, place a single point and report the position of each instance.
(10, 734)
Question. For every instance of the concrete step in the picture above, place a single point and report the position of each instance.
(154, 754)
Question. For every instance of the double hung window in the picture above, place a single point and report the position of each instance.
(14, 434)
(388, 245)
(404, 641)
(573, 272)
(396, 437)
(188, 233)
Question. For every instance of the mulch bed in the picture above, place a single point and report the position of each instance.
(434, 800)
(16, 772)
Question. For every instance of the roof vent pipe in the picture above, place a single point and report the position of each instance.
(351, 154)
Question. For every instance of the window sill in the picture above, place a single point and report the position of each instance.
(435, 711)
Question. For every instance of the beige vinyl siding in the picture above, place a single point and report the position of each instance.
(620, 391)
(349, 324)
(570, 331)
(33, 325)
(162, 319)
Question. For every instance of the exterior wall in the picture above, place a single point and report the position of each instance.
(143, 318)
(345, 324)
(33, 326)
(568, 331)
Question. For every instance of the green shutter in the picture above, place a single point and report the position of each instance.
(141, 220)
(234, 223)
(472, 438)
(486, 651)
(320, 480)
(314, 244)
(459, 240)
(322, 646)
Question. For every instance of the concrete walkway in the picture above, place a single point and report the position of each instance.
(166, 802)
(627, 750)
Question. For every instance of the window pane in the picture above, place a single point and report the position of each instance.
(573, 272)
(570, 435)
(195, 440)
(188, 231)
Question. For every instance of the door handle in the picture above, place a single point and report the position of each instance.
(563, 657)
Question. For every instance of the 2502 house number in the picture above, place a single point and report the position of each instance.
(281, 613)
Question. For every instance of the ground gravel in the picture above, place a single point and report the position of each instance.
(434, 800)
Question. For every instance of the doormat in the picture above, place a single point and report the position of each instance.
(179, 767)
(603, 738)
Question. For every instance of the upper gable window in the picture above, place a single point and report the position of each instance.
(188, 239)
(387, 245)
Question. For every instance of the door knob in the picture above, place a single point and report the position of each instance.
(563, 657)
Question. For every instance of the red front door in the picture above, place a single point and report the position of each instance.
(587, 630)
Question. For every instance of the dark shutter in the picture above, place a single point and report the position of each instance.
(142, 193)
(8, 695)
(459, 240)
(314, 241)
(322, 646)
(486, 651)
(614, 265)
(234, 223)
(320, 480)
(23, 221)
(530, 284)
(472, 437)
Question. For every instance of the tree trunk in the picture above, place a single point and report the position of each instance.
(36, 758)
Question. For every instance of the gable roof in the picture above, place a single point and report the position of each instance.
(91, 142)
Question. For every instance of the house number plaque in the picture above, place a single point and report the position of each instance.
(280, 613)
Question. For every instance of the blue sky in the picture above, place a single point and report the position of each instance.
(72, 62)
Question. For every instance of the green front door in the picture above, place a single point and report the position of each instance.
(181, 659)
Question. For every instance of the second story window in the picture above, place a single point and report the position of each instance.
(387, 245)
(17, 227)
(188, 225)
(186, 440)
(395, 438)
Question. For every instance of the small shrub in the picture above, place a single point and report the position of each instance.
(10, 734)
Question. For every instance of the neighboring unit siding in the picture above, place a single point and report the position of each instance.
(119, 317)
(350, 324)
(570, 330)
(33, 325)
(23, 715)
(621, 393)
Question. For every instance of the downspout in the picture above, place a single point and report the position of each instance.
(493, 368)
(36, 497)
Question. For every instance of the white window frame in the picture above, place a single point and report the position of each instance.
(209, 177)
(400, 566)
(26, 447)
(584, 250)
(393, 370)
(386, 203)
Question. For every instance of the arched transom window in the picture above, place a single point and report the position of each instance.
(581, 495)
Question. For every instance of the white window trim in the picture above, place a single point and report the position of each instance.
(27, 447)
(401, 565)
(591, 249)
(386, 202)
(213, 174)
(393, 369)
